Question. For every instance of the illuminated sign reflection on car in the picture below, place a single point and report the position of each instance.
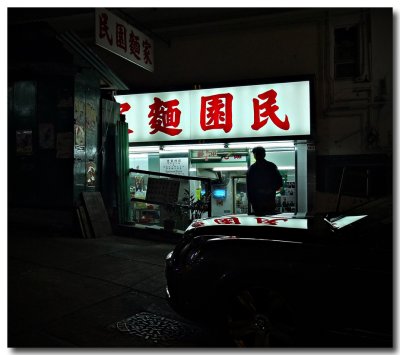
(250, 221)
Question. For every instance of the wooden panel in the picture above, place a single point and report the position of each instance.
(97, 214)
(84, 223)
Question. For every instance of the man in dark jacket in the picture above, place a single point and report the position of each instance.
(263, 180)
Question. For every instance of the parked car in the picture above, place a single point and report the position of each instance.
(322, 281)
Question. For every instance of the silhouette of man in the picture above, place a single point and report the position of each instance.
(263, 180)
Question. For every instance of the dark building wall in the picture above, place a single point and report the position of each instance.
(241, 54)
(40, 173)
(361, 176)
(49, 162)
(44, 140)
(86, 134)
(21, 127)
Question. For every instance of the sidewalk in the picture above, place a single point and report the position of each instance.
(70, 292)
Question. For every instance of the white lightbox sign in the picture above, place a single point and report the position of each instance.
(122, 39)
(175, 165)
(257, 111)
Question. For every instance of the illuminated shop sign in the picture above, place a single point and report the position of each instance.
(122, 39)
(257, 111)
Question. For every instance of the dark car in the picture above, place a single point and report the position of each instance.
(279, 280)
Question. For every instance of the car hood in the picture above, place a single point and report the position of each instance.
(284, 226)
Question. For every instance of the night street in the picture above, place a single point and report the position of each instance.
(200, 177)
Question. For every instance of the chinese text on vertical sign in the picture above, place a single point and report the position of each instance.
(117, 36)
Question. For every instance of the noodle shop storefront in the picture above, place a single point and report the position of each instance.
(209, 134)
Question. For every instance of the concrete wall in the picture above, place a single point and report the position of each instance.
(240, 55)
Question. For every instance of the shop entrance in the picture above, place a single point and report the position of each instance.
(225, 167)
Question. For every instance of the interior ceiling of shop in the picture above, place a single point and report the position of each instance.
(164, 25)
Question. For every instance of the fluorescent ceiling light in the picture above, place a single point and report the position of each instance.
(184, 148)
(169, 148)
(266, 145)
(137, 156)
(144, 149)
(192, 169)
(232, 168)
(286, 167)
(177, 150)
(208, 146)
(272, 145)
(229, 168)
(245, 144)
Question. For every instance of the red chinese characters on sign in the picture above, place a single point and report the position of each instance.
(227, 220)
(121, 36)
(267, 109)
(125, 107)
(270, 221)
(104, 29)
(134, 45)
(165, 117)
(216, 112)
(146, 50)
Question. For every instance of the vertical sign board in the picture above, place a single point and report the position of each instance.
(124, 40)
(258, 111)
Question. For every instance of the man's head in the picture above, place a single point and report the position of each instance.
(259, 153)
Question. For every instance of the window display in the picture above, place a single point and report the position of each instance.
(226, 168)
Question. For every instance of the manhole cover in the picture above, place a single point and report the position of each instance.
(155, 328)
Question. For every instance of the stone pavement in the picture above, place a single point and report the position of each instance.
(90, 293)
